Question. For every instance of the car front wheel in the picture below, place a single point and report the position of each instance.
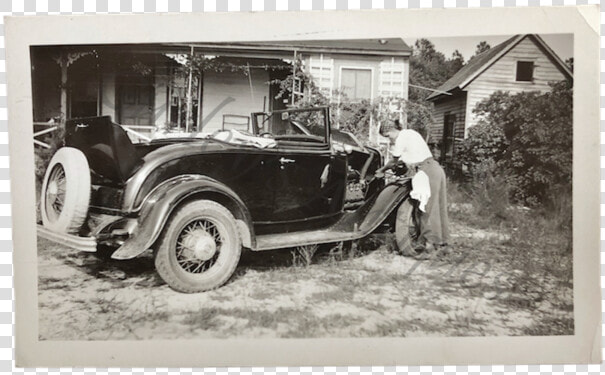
(199, 248)
(407, 228)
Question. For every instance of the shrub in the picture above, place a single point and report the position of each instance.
(526, 137)
(42, 157)
(484, 148)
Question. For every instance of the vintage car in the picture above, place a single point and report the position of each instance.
(293, 181)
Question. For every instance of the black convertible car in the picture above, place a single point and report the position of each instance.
(197, 201)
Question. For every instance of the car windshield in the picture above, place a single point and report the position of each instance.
(302, 125)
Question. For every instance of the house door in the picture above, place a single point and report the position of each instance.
(447, 143)
(136, 102)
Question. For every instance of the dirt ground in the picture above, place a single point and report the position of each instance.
(369, 292)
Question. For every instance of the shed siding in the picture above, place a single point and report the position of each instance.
(230, 93)
(502, 76)
(456, 106)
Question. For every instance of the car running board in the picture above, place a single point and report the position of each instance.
(88, 244)
(302, 238)
(351, 226)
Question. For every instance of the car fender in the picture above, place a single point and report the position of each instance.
(385, 202)
(161, 202)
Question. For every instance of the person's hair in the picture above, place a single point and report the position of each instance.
(387, 126)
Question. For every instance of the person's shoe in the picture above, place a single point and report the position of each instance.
(445, 249)
(425, 255)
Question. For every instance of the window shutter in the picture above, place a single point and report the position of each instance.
(392, 78)
(321, 69)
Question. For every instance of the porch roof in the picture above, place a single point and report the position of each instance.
(277, 49)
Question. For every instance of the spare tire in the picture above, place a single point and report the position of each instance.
(65, 192)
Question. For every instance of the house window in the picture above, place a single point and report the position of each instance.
(356, 84)
(525, 71)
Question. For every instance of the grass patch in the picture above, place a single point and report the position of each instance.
(551, 327)
(204, 319)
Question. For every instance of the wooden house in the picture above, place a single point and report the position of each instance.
(521, 63)
(147, 87)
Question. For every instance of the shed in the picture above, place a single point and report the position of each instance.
(520, 63)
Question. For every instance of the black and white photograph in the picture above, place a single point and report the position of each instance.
(334, 188)
(306, 187)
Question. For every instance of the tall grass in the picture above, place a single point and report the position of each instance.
(538, 248)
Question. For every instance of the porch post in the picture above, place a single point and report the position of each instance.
(294, 77)
(189, 99)
(63, 64)
(373, 136)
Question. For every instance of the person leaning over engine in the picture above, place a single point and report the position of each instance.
(409, 147)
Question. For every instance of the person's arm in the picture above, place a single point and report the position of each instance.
(389, 165)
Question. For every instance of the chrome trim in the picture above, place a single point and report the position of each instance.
(88, 244)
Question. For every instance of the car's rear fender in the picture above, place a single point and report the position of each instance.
(161, 202)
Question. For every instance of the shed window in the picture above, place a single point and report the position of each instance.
(525, 71)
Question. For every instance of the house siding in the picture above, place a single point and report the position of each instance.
(230, 93)
(502, 74)
(160, 85)
(389, 75)
(456, 105)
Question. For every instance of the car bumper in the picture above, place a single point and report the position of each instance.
(88, 244)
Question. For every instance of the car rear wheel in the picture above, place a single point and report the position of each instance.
(407, 229)
(65, 195)
(199, 248)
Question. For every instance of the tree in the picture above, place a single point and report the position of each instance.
(455, 63)
(482, 47)
(569, 63)
(430, 68)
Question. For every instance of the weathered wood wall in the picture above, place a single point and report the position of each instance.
(456, 105)
(502, 76)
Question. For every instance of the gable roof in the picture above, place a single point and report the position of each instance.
(483, 61)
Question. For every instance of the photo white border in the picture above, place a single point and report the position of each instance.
(583, 347)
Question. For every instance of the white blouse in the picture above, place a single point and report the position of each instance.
(410, 147)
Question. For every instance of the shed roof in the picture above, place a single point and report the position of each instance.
(481, 62)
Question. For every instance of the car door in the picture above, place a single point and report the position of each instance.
(309, 184)
(307, 178)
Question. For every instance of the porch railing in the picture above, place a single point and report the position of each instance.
(139, 132)
(51, 128)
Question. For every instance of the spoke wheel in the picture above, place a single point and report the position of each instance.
(55, 192)
(199, 248)
(65, 194)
